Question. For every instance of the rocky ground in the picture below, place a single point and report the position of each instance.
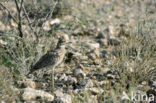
(112, 52)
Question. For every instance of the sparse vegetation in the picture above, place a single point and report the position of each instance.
(112, 44)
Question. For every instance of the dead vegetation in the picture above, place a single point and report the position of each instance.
(111, 50)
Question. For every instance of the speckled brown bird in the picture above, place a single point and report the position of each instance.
(52, 58)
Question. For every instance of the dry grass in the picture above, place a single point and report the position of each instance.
(134, 62)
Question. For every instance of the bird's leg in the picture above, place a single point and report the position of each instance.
(52, 81)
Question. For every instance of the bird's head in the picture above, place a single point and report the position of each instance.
(63, 39)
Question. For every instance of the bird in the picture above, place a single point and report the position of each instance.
(52, 58)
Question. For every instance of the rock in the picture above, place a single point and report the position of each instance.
(97, 62)
(94, 45)
(104, 53)
(71, 81)
(58, 93)
(77, 91)
(80, 66)
(66, 36)
(112, 30)
(93, 99)
(105, 82)
(94, 54)
(78, 72)
(55, 21)
(86, 83)
(63, 78)
(13, 24)
(97, 76)
(64, 99)
(105, 70)
(110, 76)
(78, 55)
(91, 45)
(2, 26)
(113, 41)
(31, 94)
(144, 82)
(67, 17)
(96, 91)
(26, 83)
(78, 33)
(3, 42)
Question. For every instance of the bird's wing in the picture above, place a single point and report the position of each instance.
(46, 60)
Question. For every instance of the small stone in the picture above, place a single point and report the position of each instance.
(94, 54)
(31, 94)
(112, 30)
(13, 24)
(78, 73)
(103, 53)
(78, 33)
(76, 91)
(58, 93)
(144, 83)
(2, 26)
(93, 99)
(3, 42)
(94, 45)
(66, 36)
(110, 76)
(71, 81)
(97, 62)
(96, 91)
(105, 70)
(91, 45)
(64, 99)
(26, 83)
(68, 17)
(55, 21)
(87, 83)
(63, 77)
(104, 82)
(113, 41)
(140, 87)
(80, 66)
